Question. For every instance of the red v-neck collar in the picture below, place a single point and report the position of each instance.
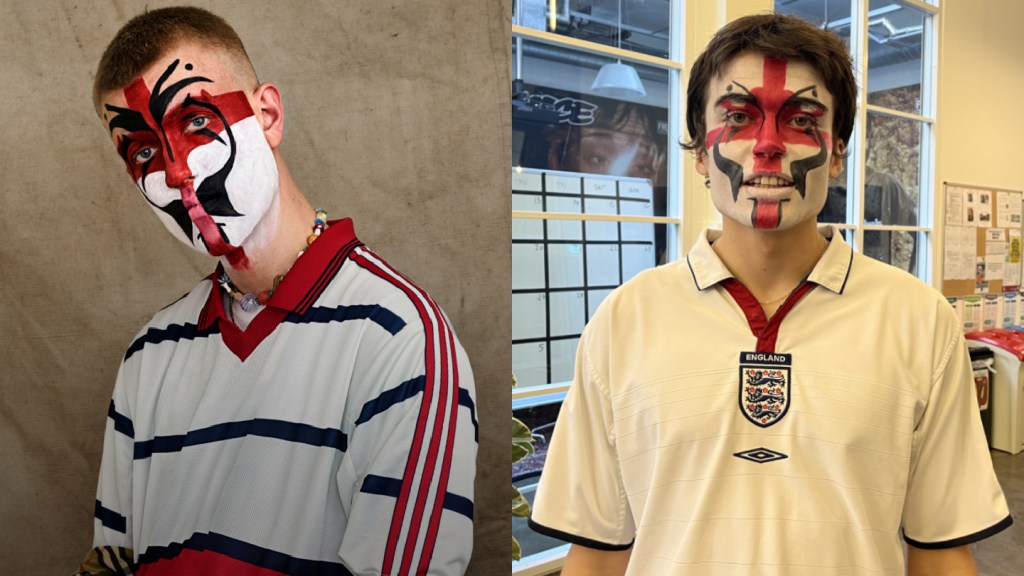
(302, 285)
(765, 329)
(831, 272)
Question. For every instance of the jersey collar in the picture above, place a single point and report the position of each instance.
(831, 271)
(299, 289)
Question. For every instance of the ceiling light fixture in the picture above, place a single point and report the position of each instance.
(616, 79)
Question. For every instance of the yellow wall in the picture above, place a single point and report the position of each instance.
(980, 79)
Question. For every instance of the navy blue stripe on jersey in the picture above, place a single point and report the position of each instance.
(458, 504)
(173, 333)
(407, 390)
(383, 317)
(382, 486)
(467, 401)
(122, 423)
(111, 519)
(245, 552)
(280, 429)
(389, 398)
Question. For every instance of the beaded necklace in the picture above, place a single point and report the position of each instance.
(251, 302)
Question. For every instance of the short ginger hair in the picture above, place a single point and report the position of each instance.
(149, 35)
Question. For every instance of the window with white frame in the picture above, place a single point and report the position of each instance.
(891, 154)
(595, 191)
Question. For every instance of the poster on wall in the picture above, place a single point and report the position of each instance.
(561, 130)
(1009, 209)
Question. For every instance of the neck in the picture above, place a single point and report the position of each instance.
(770, 263)
(274, 244)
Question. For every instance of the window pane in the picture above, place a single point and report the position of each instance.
(540, 420)
(838, 201)
(892, 173)
(644, 24)
(559, 123)
(563, 269)
(833, 15)
(895, 247)
(581, 153)
(895, 34)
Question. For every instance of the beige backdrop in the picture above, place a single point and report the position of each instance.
(397, 114)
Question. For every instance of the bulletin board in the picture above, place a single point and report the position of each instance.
(982, 240)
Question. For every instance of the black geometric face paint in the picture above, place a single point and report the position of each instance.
(733, 170)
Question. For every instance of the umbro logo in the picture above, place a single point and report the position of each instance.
(761, 455)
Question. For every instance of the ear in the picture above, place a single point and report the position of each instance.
(700, 162)
(267, 102)
(835, 165)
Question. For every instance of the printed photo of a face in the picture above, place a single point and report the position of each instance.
(769, 145)
(193, 145)
(622, 141)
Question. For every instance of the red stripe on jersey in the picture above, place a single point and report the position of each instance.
(418, 297)
(765, 329)
(398, 517)
(203, 563)
(435, 446)
(446, 466)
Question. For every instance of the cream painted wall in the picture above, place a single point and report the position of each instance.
(978, 140)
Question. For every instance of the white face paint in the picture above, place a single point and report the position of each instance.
(251, 185)
(194, 144)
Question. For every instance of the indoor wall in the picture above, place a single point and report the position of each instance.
(980, 73)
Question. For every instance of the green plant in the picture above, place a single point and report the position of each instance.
(522, 446)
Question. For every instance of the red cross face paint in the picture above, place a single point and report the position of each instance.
(769, 143)
(199, 156)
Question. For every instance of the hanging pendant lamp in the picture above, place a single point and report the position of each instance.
(616, 79)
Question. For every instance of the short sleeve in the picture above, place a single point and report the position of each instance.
(581, 497)
(953, 496)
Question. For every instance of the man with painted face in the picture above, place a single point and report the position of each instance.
(773, 403)
(305, 409)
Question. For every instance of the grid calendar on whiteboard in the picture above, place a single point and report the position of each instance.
(562, 269)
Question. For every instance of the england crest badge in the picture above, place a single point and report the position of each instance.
(764, 386)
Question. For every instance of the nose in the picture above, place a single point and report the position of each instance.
(769, 140)
(177, 172)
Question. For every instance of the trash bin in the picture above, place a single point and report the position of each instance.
(1006, 387)
(982, 360)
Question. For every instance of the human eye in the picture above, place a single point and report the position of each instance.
(144, 155)
(197, 123)
(737, 118)
(803, 121)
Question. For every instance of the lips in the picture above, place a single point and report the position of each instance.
(770, 181)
